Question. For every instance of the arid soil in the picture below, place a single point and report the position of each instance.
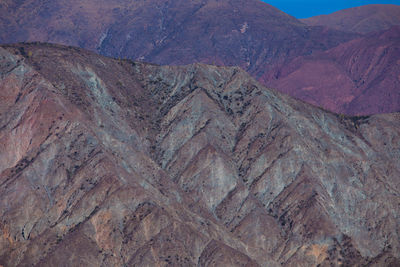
(359, 77)
(107, 162)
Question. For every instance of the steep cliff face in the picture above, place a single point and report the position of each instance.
(360, 77)
(113, 162)
(363, 19)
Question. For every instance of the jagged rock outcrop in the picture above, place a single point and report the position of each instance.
(107, 162)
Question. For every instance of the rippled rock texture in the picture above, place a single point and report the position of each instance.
(107, 162)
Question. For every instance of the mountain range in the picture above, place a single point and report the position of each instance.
(146, 133)
(110, 162)
(259, 38)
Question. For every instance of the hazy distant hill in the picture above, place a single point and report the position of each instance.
(363, 19)
(358, 77)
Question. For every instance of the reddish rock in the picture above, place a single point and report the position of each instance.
(246, 33)
(230, 32)
(251, 34)
(113, 162)
(360, 77)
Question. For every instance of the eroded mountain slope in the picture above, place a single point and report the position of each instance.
(168, 32)
(112, 162)
(362, 19)
(246, 33)
(359, 77)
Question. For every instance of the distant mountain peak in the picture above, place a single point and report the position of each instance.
(363, 19)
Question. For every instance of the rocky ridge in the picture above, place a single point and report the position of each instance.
(250, 34)
(107, 162)
(259, 38)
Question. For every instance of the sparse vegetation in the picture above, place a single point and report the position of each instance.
(352, 122)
